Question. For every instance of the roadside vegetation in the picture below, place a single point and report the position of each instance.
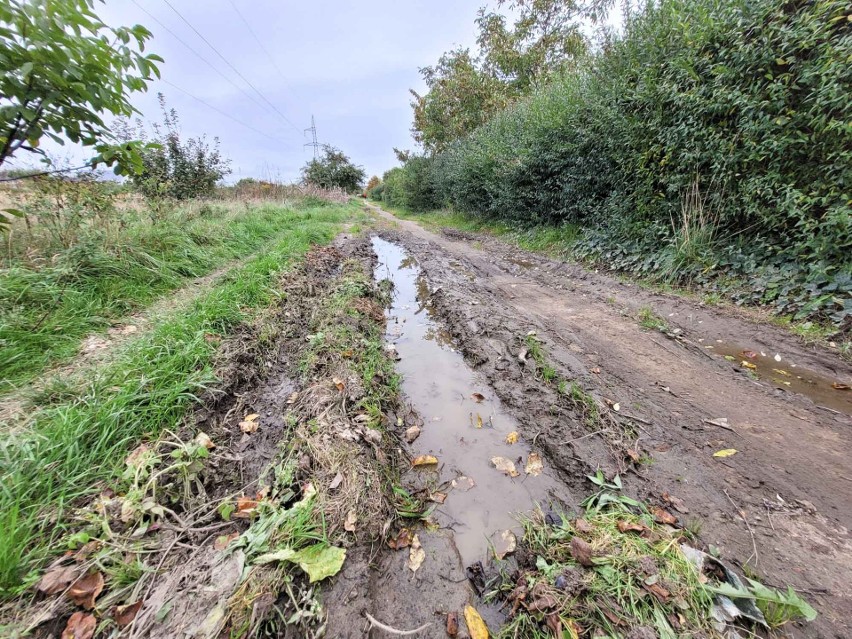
(707, 145)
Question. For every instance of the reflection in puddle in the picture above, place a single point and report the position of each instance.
(463, 430)
(787, 376)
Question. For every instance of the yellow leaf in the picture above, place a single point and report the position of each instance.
(475, 625)
(748, 365)
(424, 460)
(512, 438)
(251, 418)
(726, 452)
(534, 465)
(505, 465)
(478, 420)
(416, 555)
(781, 371)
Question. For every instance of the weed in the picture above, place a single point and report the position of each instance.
(650, 320)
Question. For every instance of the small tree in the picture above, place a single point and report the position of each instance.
(334, 170)
(372, 183)
(176, 168)
(61, 71)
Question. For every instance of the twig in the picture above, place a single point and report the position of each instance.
(393, 631)
(638, 419)
(830, 410)
(741, 513)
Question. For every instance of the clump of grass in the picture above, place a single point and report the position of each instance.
(650, 320)
(543, 366)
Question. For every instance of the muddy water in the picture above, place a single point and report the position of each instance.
(463, 431)
(786, 375)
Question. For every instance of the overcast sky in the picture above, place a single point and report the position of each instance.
(348, 64)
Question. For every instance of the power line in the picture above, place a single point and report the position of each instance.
(200, 57)
(232, 67)
(223, 113)
(262, 47)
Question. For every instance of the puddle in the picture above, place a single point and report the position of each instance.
(440, 386)
(787, 376)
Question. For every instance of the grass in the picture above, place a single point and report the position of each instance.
(650, 320)
(49, 305)
(79, 442)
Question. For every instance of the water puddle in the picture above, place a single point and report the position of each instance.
(465, 427)
(784, 374)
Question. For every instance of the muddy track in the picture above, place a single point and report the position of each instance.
(780, 504)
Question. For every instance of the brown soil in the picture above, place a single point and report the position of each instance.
(791, 478)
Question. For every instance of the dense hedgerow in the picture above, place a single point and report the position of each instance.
(713, 141)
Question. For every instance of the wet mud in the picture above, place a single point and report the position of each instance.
(779, 504)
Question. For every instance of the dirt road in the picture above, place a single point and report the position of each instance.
(780, 504)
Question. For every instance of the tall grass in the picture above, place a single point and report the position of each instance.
(73, 448)
(49, 302)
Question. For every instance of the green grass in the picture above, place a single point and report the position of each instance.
(48, 306)
(650, 320)
(77, 444)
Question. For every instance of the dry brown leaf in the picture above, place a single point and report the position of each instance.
(252, 417)
(512, 438)
(438, 497)
(676, 503)
(543, 603)
(293, 397)
(581, 551)
(596, 370)
(626, 526)
(475, 625)
(505, 466)
(123, 615)
(351, 520)
(658, 591)
(478, 398)
(338, 479)
(416, 554)
(80, 626)
(245, 507)
(840, 386)
(583, 526)
(135, 458)
(339, 383)
(402, 539)
(663, 516)
(453, 624)
(223, 541)
(412, 433)
(57, 579)
(425, 460)
(86, 589)
(202, 439)
(248, 427)
(534, 466)
(633, 455)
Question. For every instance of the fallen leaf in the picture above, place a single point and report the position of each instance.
(627, 526)
(248, 427)
(534, 466)
(478, 398)
(351, 520)
(245, 507)
(412, 433)
(438, 497)
(320, 561)
(657, 590)
(293, 397)
(453, 624)
(596, 370)
(676, 502)
(726, 452)
(581, 551)
(583, 526)
(123, 615)
(543, 603)
(840, 386)
(202, 439)
(416, 554)
(251, 418)
(338, 479)
(781, 371)
(663, 516)
(86, 589)
(424, 460)
(749, 354)
(338, 383)
(223, 541)
(504, 543)
(463, 483)
(137, 457)
(634, 455)
(512, 438)
(505, 466)
(478, 420)
(57, 579)
(730, 358)
(80, 626)
(475, 625)
(748, 365)
(402, 539)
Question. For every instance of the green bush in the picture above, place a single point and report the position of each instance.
(745, 104)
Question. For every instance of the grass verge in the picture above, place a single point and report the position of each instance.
(48, 306)
(75, 445)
